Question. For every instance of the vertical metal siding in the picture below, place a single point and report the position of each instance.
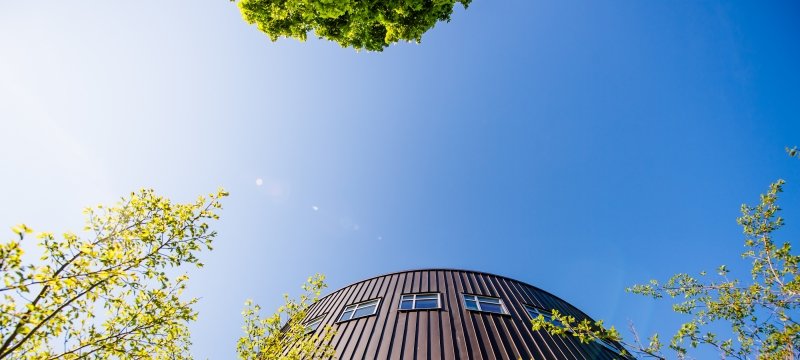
(451, 332)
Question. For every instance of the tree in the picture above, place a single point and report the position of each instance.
(793, 152)
(360, 24)
(762, 311)
(124, 263)
(285, 335)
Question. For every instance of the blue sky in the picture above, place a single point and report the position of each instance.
(578, 146)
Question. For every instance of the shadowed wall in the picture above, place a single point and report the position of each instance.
(451, 332)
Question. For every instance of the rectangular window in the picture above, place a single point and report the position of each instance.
(534, 312)
(420, 301)
(355, 311)
(608, 345)
(484, 303)
(313, 324)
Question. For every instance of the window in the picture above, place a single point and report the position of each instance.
(355, 311)
(313, 324)
(484, 303)
(420, 301)
(608, 345)
(534, 312)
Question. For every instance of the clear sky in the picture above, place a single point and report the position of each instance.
(578, 146)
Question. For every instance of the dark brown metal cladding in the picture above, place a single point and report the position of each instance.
(451, 332)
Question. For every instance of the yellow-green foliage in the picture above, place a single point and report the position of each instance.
(761, 312)
(110, 293)
(284, 335)
(359, 24)
(793, 152)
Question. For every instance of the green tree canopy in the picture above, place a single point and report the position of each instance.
(110, 292)
(360, 24)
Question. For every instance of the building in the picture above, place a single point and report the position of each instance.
(447, 314)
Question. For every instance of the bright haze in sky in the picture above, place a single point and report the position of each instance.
(581, 147)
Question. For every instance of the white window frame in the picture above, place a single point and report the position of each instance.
(549, 318)
(317, 320)
(414, 296)
(478, 303)
(355, 307)
(538, 310)
(606, 344)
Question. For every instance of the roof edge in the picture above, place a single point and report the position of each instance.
(459, 270)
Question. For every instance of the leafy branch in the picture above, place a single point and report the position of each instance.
(123, 267)
(285, 334)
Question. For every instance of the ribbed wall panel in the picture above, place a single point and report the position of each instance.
(451, 332)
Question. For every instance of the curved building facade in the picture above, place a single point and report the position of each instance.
(447, 314)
